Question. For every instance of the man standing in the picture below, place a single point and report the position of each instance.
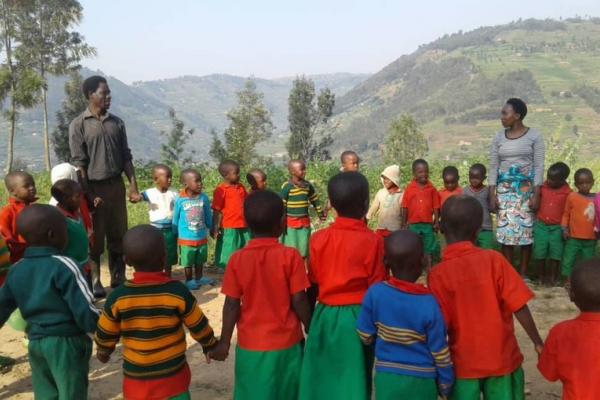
(99, 150)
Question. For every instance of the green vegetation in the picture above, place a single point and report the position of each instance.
(73, 105)
(173, 152)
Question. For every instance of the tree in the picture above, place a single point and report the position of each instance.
(308, 121)
(249, 124)
(405, 141)
(73, 104)
(172, 152)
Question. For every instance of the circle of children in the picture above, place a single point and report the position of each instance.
(453, 337)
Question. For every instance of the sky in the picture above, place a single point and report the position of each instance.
(157, 39)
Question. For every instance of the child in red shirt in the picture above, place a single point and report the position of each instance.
(21, 187)
(479, 291)
(229, 227)
(344, 260)
(572, 347)
(450, 177)
(265, 285)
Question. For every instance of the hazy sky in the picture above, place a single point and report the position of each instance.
(154, 39)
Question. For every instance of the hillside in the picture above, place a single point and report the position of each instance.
(456, 85)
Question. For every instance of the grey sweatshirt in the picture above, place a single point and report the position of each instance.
(527, 152)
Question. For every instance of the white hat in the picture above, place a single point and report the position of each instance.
(392, 172)
(63, 171)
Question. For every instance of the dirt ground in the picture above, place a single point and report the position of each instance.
(215, 381)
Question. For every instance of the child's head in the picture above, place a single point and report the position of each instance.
(390, 177)
(67, 193)
(584, 180)
(404, 255)
(263, 212)
(191, 181)
(297, 169)
(557, 175)
(350, 161)
(420, 171)
(42, 225)
(63, 171)
(349, 194)
(585, 285)
(162, 176)
(230, 171)
(144, 248)
(450, 178)
(477, 175)
(21, 186)
(461, 218)
(257, 179)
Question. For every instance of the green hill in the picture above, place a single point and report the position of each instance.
(456, 85)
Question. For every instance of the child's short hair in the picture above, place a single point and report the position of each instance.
(462, 216)
(188, 171)
(349, 194)
(296, 161)
(561, 170)
(63, 189)
(518, 106)
(417, 162)
(36, 221)
(348, 153)
(585, 285)
(403, 245)
(144, 248)
(479, 168)
(226, 166)
(450, 171)
(163, 167)
(263, 212)
(12, 177)
(583, 172)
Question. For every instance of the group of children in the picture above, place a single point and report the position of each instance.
(316, 314)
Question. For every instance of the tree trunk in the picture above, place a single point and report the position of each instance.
(46, 135)
(11, 132)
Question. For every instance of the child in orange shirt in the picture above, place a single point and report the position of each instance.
(22, 191)
(479, 291)
(450, 177)
(578, 222)
(572, 347)
(345, 259)
(257, 179)
(265, 285)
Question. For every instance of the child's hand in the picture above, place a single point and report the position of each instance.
(102, 356)
(436, 226)
(214, 233)
(539, 348)
(219, 353)
(97, 201)
(565, 233)
(134, 196)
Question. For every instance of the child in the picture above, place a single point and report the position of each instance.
(406, 324)
(257, 179)
(192, 220)
(265, 286)
(161, 202)
(6, 363)
(571, 350)
(547, 233)
(345, 259)
(59, 315)
(421, 208)
(479, 291)
(150, 311)
(350, 161)
(297, 193)
(450, 178)
(22, 192)
(476, 188)
(229, 227)
(386, 203)
(578, 222)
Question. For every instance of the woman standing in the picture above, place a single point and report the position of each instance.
(516, 175)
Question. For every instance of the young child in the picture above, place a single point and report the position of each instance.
(265, 286)
(479, 291)
(451, 178)
(547, 233)
(350, 161)
(149, 311)
(22, 192)
(59, 315)
(571, 349)
(297, 194)
(229, 227)
(192, 220)
(578, 222)
(421, 208)
(476, 188)
(161, 204)
(387, 201)
(257, 179)
(345, 259)
(406, 324)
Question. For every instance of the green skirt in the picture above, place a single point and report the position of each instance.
(229, 241)
(267, 375)
(297, 238)
(394, 386)
(506, 387)
(336, 364)
(170, 246)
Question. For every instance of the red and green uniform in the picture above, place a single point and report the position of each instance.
(421, 202)
(229, 199)
(296, 200)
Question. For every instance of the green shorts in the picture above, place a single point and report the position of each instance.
(170, 245)
(297, 238)
(485, 240)
(430, 243)
(390, 386)
(576, 250)
(229, 241)
(506, 387)
(193, 256)
(547, 242)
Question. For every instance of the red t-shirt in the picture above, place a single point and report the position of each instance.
(552, 204)
(229, 200)
(420, 202)
(478, 292)
(571, 356)
(8, 229)
(264, 275)
(344, 260)
(445, 194)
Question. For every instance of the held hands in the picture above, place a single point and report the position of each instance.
(134, 196)
(323, 216)
(219, 353)
(539, 348)
(565, 233)
(97, 201)
(102, 356)
(214, 233)
(534, 202)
